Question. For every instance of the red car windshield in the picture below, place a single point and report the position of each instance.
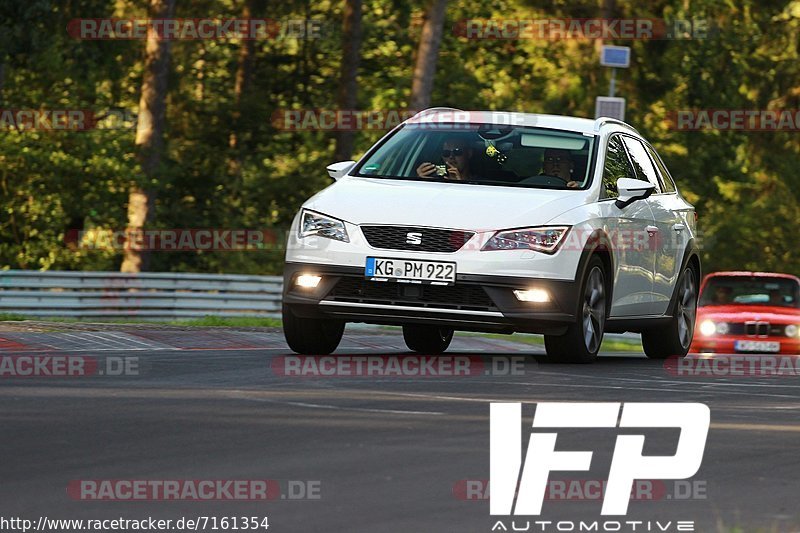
(749, 290)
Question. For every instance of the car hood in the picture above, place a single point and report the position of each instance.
(741, 313)
(437, 204)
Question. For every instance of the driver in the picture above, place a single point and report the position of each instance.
(456, 155)
(558, 163)
(722, 295)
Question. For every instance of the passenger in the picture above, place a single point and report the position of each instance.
(456, 155)
(558, 163)
(775, 297)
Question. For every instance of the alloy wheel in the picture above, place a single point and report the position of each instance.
(594, 310)
(687, 308)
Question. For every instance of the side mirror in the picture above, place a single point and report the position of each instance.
(631, 190)
(340, 169)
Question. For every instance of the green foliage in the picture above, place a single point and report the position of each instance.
(744, 184)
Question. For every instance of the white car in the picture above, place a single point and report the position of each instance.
(497, 222)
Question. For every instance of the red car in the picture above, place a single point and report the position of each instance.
(748, 312)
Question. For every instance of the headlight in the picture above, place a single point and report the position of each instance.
(323, 226)
(708, 328)
(543, 239)
(308, 281)
(722, 328)
(532, 295)
(791, 330)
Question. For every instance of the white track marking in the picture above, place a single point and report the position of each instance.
(337, 408)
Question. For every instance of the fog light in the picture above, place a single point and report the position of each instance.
(308, 281)
(533, 295)
(708, 328)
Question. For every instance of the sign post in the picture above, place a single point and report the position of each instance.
(610, 106)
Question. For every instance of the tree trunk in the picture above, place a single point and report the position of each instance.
(149, 133)
(427, 55)
(608, 10)
(244, 74)
(348, 87)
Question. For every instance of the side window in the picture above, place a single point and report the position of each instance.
(641, 162)
(666, 180)
(616, 166)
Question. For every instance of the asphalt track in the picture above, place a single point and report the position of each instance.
(391, 453)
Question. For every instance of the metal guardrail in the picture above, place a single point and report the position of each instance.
(151, 295)
(144, 295)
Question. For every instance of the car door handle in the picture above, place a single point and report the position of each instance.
(679, 227)
(652, 229)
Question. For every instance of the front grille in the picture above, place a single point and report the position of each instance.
(430, 240)
(754, 329)
(459, 297)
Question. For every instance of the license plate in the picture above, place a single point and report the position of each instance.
(410, 271)
(757, 346)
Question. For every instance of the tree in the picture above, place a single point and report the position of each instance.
(348, 88)
(229, 164)
(243, 80)
(427, 55)
(149, 134)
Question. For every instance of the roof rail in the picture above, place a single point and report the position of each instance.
(598, 123)
(435, 110)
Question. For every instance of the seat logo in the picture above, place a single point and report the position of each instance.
(510, 476)
(414, 237)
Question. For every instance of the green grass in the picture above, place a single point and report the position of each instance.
(239, 322)
(206, 321)
(609, 345)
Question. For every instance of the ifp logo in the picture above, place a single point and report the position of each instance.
(518, 488)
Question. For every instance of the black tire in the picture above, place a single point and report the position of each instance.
(429, 340)
(311, 336)
(675, 338)
(582, 340)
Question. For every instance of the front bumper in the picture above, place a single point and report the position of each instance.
(474, 303)
(724, 344)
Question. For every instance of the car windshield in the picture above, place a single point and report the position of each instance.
(484, 154)
(734, 290)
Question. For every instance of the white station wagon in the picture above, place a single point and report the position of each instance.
(497, 222)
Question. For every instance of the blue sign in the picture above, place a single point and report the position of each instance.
(615, 56)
